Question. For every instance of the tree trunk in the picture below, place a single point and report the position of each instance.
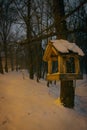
(1, 67)
(30, 54)
(38, 60)
(58, 13)
(67, 90)
(6, 57)
(30, 51)
(11, 60)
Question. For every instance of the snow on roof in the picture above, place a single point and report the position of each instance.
(65, 46)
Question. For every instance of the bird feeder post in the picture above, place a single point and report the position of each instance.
(68, 68)
(67, 93)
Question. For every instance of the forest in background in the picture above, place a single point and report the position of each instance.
(26, 26)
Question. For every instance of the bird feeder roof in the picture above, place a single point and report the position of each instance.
(61, 46)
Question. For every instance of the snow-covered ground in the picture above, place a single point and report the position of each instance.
(28, 105)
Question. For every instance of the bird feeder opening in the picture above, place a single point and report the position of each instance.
(70, 65)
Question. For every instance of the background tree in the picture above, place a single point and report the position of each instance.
(35, 20)
(1, 66)
(7, 18)
(67, 89)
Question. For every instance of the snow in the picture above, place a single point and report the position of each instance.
(28, 105)
(64, 46)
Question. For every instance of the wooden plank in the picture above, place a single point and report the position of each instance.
(77, 66)
(55, 51)
(52, 77)
(50, 66)
(64, 65)
(69, 76)
(47, 52)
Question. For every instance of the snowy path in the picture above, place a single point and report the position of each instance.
(27, 105)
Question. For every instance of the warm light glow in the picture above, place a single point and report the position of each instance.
(58, 102)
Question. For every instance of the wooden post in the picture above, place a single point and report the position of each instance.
(77, 66)
(64, 65)
(50, 66)
(49, 69)
(67, 93)
(60, 64)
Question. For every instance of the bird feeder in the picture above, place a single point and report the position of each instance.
(66, 57)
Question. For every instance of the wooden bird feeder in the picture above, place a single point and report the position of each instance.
(67, 55)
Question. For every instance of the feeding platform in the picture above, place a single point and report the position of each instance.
(63, 60)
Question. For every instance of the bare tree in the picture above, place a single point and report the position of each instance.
(67, 90)
(1, 66)
(7, 18)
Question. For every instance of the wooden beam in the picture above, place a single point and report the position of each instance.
(62, 76)
(50, 66)
(60, 64)
(77, 66)
(64, 65)
(47, 53)
(55, 51)
(52, 77)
